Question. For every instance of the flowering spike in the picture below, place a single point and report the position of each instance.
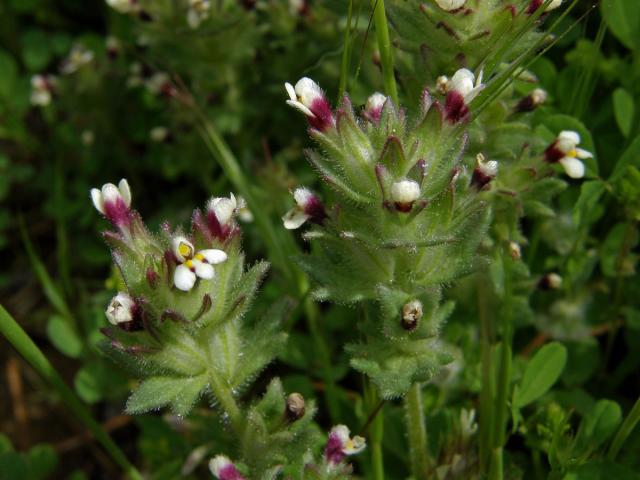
(308, 97)
(564, 151)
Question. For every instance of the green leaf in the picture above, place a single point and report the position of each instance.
(63, 337)
(9, 71)
(541, 373)
(624, 109)
(597, 427)
(35, 50)
(590, 193)
(43, 460)
(599, 470)
(623, 18)
(631, 156)
(157, 392)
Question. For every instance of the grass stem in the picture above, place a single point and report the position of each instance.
(384, 45)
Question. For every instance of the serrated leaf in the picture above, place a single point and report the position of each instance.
(541, 373)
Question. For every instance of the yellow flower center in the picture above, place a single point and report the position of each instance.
(185, 250)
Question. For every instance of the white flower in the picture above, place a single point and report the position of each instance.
(223, 208)
(159, 134)
(41, 90)
(449, 5)
(373, 108)
(120, 309)
(538, 96)
(198, 11)
(566, 152)
(78, 56)
(194, 264)
(111, 198)
(404, 193)
(553, 5)
(341, 444)
(464, 82)
(484, 171)
(308, 207)
(308, 97)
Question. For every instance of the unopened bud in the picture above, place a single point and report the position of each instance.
(532, 101)
(484, 172)
(411, 314)
(514, 251)
(551, 281)
(442, 84)
(404, 194)
(295, 408)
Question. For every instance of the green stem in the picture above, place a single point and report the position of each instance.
(376, 432)
(12, 331)
(504, 377)
(486, 394)
(227, 402)
(384, 45)
(625, 430)
(417, 432)
(346, 54)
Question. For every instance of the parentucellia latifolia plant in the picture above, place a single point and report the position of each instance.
(179, 325)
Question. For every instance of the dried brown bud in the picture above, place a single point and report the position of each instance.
(411, 314)
(295, 407)
(551, 281)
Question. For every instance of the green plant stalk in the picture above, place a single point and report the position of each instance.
(384, 45)
(498, 434)
(417, 432)
(225, 398)
(624, 431)
(12, 331)
(376, 431)
(486, 394)
(346, 55)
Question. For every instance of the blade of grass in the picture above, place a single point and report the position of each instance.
(10, 329)
(624, 431)
(346, 55)
(384, 45)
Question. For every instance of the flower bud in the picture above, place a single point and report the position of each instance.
(42, 88)
(461, 90)
(514, 251)
(532, 101)
(308, 97)
(404, 194)
(373, 109)
(551, 281)
(536, 4)
(308, 207)
(295, 408)
(114, 202)
(484, 172)
(113, 47)
(223, 469)
(442, 84)
(450, 5)
(411, 314)
(123, 312)
(220, 216)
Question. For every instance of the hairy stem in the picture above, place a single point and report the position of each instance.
(384, 45)
(376, 431)
(227, 402)
(417, 432)
(10, 329)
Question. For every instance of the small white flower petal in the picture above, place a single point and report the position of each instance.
(449, 5)
(302, 196)
(299, 106)
(291, 91)
(125, 191)
(553, 5)
(183, 278)
(203, 270)
(217, 463)
(96, 197)
(462, 81)
(354, 445)
(405, 191)
(213, 255)
(573, 167)
(582, 153)
(294, 219)
(308, 91)
(569, 136)
(182, 248)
